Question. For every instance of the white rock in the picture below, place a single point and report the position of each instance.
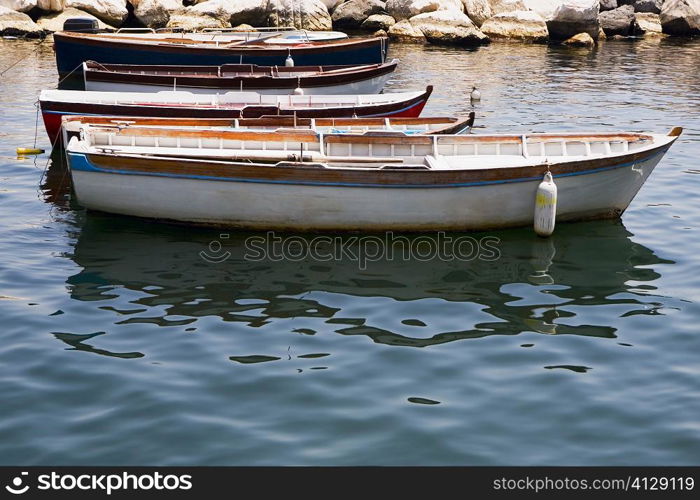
(13, 23)
(448, 27)
(189, 21)
(477, 10)
(580, 40)
(647, 24)
(18, 5)
(681, 17)
(520, 24)
(378, 22)
(331, 4)
(405, 9)
(500, 6)
(51, 5)
(253, 12)
(570, 17)
(112, 12)
(404, 31)
(302, 14)
(54, 22)
(155, 13)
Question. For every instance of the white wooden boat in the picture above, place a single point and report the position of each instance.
(231, 105)
(71, 125)
(302, 180)
(274, 80)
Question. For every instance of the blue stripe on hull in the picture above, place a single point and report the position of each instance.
(69, 56)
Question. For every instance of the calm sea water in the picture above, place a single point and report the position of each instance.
(120, 344)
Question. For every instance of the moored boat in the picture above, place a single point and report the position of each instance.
(57, 103)
(141, 127)
(312, 80)
(302, 180)
(72, 49)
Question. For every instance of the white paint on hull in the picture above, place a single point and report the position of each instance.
(369, 86)
(601, 194)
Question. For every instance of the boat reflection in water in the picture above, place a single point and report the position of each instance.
(156, 274)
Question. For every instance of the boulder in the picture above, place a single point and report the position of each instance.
(500, 6)
(569, 17)
(54, 21)
(647, 24)
(380, 34)
(477, 10)
(448, 27)
(113, 12)
(405, 32)
(18, 5)
(13, 23)
(155, 13)
(681, 17)
(378, 22)
(309, 15)
(618, 21)
(253, 12)
(405, 9)
(51, 5)
(353, 13)
(653, 6)
(580, 40)
(520, 25)
(331, 4)
(608, 5)
(190, 21)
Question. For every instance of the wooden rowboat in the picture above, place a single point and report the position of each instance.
(302, 180)
(313, 80)
(57, 103)
(72, 49)
(71, 125)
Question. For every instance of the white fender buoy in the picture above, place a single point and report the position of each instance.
(289, 62)
(298, 90)
(546, 206)
(475, 95)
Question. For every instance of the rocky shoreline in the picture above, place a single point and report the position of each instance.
(454, 22)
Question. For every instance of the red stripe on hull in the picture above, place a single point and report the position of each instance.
(52, 123)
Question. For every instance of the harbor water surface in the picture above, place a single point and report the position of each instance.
(128, 342)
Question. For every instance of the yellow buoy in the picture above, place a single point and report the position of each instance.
(29, 151)
(546, 206)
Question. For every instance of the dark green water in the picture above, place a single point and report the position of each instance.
(120, 344)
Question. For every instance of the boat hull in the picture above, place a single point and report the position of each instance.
(73, 49)
(327, 205)
(53, 111)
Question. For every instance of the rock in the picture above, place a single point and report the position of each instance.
(380, 33)
(113, 12)
(580, 40)
(405, 32)
(309, 15)
(331, 4)
(653, 6)
(18, 5)
(378, 22)
(253, 12)
(681, 17)
(647, 24)
(244, 28)
(477, 10)
(189, 21)
(13, 23)
(405, 9)
(608, 4)
(154, 13)
(520, 24)
(500, 6)
(618, 21)
(569, 17)
(449, 28)
(353, 13)
(50, 5)
(54, 22)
